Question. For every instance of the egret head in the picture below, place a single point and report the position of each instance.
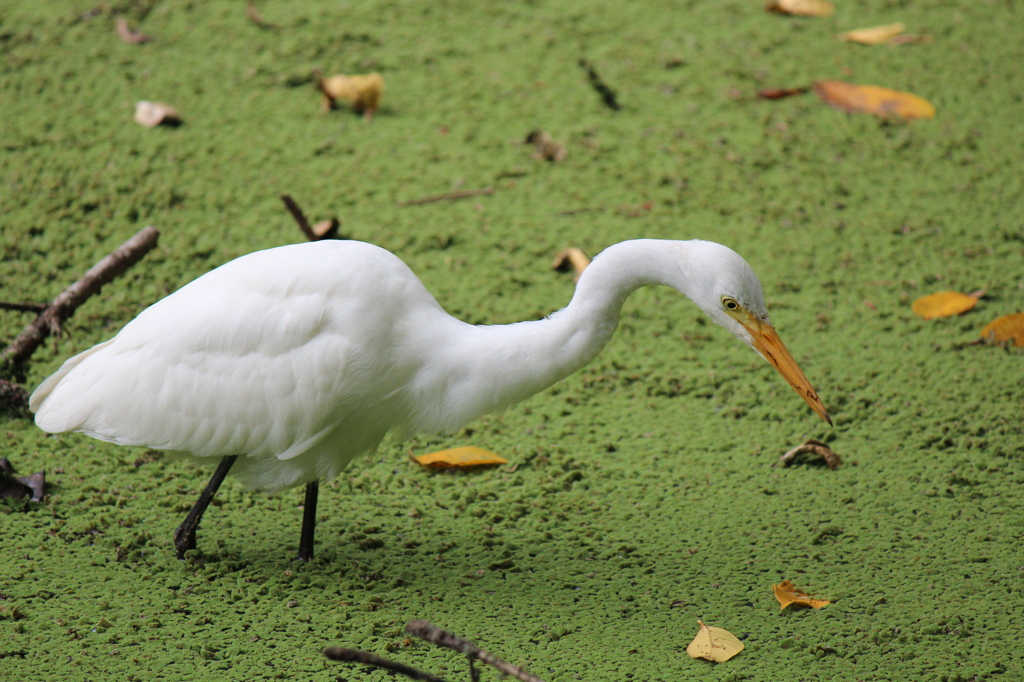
(725, 287)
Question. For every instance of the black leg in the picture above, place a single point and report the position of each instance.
(185, 536)
(308, 521)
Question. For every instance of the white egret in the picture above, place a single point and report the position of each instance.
(296, 359)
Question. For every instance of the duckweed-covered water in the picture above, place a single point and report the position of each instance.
(642, 493)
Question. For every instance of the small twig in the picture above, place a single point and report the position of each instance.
(299, 216)
(607, 94)
(128, 35)
(435, 635)
(23, 307)
(325, 229)
(448, 196)
(354, 656)
(571, 258)
(815, 447)
(254, 16)
(64, 306)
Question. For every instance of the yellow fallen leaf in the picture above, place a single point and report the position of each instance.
(468, 456)
(806, 8)
(1006, 328)
(787, 593)
(875, 100)
(363, 93)
(876, 35)
(944, 304)
(714, 644)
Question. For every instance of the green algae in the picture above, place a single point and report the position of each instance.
(642, 493)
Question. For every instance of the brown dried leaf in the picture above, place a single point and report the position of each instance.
(36, 483)
(363, 93)
(571, 257)
(152, 114)
(1006, 329)
(20, 487)
(945, 304)
(714, 644)
(546, 147)
(875, 35)
(875, 100)
(805, 8)
(787, 593)
(815, 447)
(128, 35)
(460, 457)
(780, 93)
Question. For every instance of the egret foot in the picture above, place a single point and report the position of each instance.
(308, 521)
(185, 536)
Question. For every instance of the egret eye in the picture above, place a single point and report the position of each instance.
(730, 303)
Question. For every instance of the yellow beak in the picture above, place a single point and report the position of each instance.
(769, 345)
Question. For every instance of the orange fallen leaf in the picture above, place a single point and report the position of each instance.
(875, 100)
(1005, 329)
(875, 35)
(944, 304)
(714, 644)
(363, 93)
(805, 8)
(468, 456)
(787, 593)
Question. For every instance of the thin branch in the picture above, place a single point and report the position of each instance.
(596, 82)
(64, 306)
(24, 307)
(448, 196)
(435, 635)
(354, 656)
(299, 216)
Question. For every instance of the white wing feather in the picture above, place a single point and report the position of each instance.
(274, 356)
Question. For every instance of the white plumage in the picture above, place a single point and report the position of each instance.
(301, 357)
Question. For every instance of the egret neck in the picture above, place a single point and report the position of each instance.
(491, 367)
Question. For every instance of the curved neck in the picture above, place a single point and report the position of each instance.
(492, 367)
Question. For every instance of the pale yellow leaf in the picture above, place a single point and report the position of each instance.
(468, 456)
(714, 644)
(363, 93)
(806, 8)
(875, 35)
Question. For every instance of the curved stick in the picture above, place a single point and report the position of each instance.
(50, 320)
